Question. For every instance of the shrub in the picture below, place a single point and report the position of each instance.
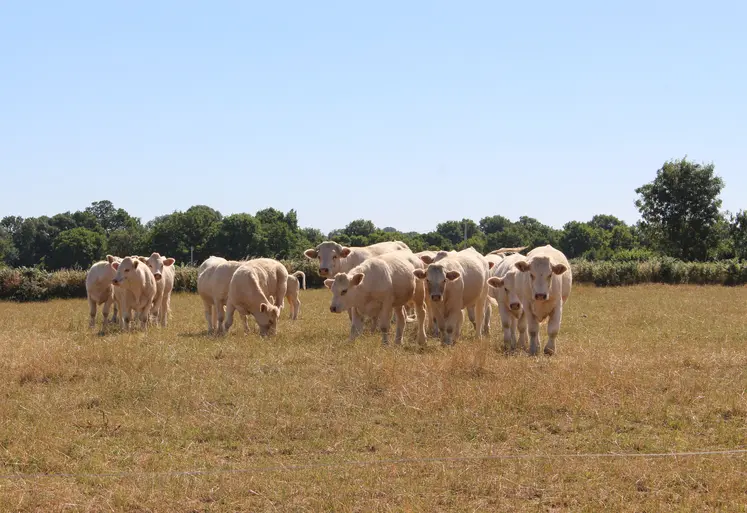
(35, 284)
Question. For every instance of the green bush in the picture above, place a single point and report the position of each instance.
(34, 284)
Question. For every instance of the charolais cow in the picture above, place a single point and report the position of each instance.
(545, 285)
(99, 290)
(454, 282)
(163, 271)
(292, 293)
(258, 287)
(138, 285)
(378, 287)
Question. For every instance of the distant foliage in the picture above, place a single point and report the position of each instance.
(681, 223)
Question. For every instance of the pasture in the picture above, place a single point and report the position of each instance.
(306, 421)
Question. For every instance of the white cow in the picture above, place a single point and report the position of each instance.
(291, 293)
(163, 271)
(454, 282)
(378, 287)
(258, 287)
(212, 286)
(335, 258)
(139, 289)
(100, 291)
(495, 257)
(503, 288)
(209, 262)
(544, 287)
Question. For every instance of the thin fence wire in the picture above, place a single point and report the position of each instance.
(368, 463)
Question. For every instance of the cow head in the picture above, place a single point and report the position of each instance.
(329, 254)
(156, 263)
(435, 277)
(125, 269)
(541, 270)
(344, 290)
(267, 317)
(507, 290)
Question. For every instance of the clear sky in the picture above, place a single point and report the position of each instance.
(407, 113)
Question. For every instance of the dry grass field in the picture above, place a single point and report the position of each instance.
(178, 421)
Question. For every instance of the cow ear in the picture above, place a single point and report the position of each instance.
(169, 261)
(491, 264)
(115, 265)
(522, 266)
(311, 253)
(427, 260)
(134, 263)
(419, 274)
(357, 279)
(559, 268)
(110, 258)
(328, 283)
(452, 275)
(345, 252)
(142, 259)
(263, 307)
(495, 282)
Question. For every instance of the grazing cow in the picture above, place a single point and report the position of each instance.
(212, 286)
(99, 290)
(291, 293)
(544, 287)
(503, 288)
(139, 289)
(258, 287)
(378, 287)
(163, 271)
(209, 262)
(454, 282)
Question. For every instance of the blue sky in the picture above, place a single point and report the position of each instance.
(405, 113)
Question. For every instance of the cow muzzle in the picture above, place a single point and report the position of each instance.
(540, 297)
(157, 276)
(324, 271)
(514, 306)
(436, 297)
(333, 309)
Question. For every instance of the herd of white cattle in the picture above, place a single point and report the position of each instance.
(373, 282)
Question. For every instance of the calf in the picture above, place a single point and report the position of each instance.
(258, 287)
(99, 290)
(139, 289)
(544, 287)
(377, 288)
(163, 271)
(503, 288)
(291, 293)
(453, 282)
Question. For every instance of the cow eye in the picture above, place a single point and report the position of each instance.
(342, 293)
(127, 270)
(532, 276)
(504, 288)
(334, 257)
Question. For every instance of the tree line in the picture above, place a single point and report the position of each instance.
(680, 211)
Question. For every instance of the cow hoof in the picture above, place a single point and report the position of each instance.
(549, 351)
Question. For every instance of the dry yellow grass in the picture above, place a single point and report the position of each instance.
(642, 369)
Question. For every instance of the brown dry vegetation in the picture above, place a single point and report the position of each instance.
(645, 369)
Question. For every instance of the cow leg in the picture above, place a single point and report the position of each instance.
(207, 307)
(92, 307)
(506, 322)
(356, 325)
(486, 319)
(105, 312)
(533, 327)
(471, 315)
(480, 313)
(401, 315)
(521, 325)
(163, 314)
(385, 316)
(553, 327)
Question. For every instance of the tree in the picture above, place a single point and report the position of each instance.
(76, 248)
(111, 219)
(8, 251)
(360, 227)
(738, 232)
(239, 236)
(494, 224)
(578, 238)
(680, 208)
(453, 231)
